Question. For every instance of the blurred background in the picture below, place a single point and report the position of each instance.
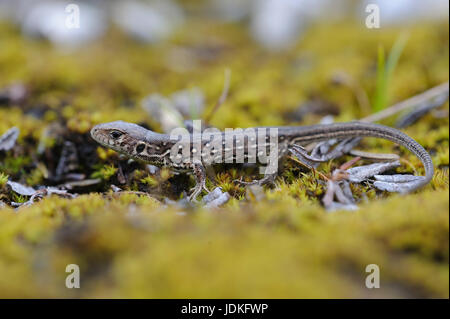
(278, 55)
(274, 25)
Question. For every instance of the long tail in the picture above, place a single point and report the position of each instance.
(317, 133)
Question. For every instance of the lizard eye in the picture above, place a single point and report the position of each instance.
(140, 148)
(115, 134)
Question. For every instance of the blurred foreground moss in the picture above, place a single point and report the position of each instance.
(133, 247)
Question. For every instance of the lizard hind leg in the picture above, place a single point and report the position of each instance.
(268, 179)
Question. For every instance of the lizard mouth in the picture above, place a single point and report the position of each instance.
(102, 138)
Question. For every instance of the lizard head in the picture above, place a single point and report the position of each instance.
(120, 136)
(130, 139)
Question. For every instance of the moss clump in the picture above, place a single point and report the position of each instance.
(3, 179)
(105, 172)
(276, 243)
(130, 246)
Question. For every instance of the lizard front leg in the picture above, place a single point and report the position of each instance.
(200, 179)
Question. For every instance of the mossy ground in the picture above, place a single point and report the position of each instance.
(284, 245)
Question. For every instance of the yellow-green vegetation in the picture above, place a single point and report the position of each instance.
(3, 179)
(129, 246)
(105, 172)
(280, 244)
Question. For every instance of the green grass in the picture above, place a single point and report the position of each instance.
(385, 72)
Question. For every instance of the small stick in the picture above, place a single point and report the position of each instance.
(350, 163)
(408, 103)
(346, 79)
(375, 156)
(223, 96)
(409, 164)
(311, 168)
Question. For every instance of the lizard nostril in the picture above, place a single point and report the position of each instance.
(93, 131)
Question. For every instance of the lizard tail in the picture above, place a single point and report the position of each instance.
(362, 129)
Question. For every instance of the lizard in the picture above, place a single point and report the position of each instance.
(141, 144)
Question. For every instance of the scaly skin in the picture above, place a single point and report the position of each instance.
(139, 143)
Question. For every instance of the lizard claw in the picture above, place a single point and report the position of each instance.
(193, 196)
(196, 190)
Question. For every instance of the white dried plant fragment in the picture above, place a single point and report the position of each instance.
(323, 151)
(163, 111)
(21, 189)
(397, 183)
(400, 186)
(8, 139)
(170, 111)
(216, 198)
(344, 197)
(189, 102)
(361, 173)
(399, 178)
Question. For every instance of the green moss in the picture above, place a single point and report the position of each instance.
(36, 177)
(105, 172)
(150, 181)
(19, 198)
(3, 179)
(261, 246)
(14, 165)
(280, 244)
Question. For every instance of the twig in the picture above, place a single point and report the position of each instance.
(420, 111)
(411, 165)
(375, 156)
(343, 78)
(309, 167)
(350, 163)
(223, 96)
(408, 103)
